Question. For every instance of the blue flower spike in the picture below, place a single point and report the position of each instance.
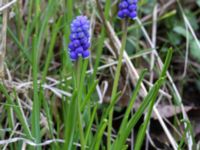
(127, 9)
(79, 38)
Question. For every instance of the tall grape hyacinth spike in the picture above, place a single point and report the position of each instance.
(79, 38)
(127, 9)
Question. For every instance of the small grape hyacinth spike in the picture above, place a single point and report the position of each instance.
(127, 9)
(79, 38)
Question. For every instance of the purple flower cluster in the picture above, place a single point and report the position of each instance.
(79, 38)
(127, 9)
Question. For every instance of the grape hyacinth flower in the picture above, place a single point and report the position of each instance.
(127, 9)
(79, 38)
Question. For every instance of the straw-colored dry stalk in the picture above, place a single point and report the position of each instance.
(3, 38)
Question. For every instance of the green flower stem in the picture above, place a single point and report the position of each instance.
(116, 81)
(36, 101)
(79, 85)
(81, 128)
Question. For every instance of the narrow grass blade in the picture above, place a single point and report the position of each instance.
(23, 49)
(167, 62)
(87, 98)
(184, 137)
(141, 133)
(51, 47)
(89, 126)
(36, 100)
(130, 105)
(18, 111)
(118, 144)
(70, 123)
(97, 139)
(116, 81)
(102, 122)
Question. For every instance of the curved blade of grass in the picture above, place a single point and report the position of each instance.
(184, 137)
(24, 51)
(50, 50)
(42, 26)
(87, 98)
(125, 147)
(130, 106)
(167, 62)
(118, 144)
(105, 114)
(89, 126)
(141, 133)
(97, 139)
(102, 122)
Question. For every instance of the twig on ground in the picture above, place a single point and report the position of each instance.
(154, 33)
(2, 8)
(3, 40)
(16, 139)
